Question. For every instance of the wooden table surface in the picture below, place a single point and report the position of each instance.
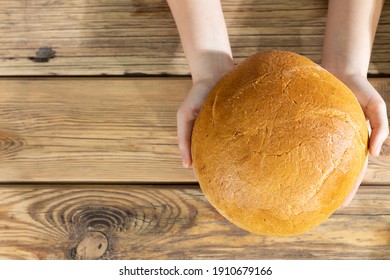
(89, 164)
(139, 37)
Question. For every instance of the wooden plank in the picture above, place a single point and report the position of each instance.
(162, 222)
(109, 130)
(104, 130)
(120, 37)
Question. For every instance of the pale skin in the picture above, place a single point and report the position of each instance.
(349, 36)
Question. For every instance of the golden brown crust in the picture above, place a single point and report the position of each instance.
(278, 144)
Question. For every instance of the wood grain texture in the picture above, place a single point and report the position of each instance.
(110, 130)
(104, 130)
(154, 222)
(132, 37)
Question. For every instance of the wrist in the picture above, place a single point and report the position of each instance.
(345, 73)
(210, 67)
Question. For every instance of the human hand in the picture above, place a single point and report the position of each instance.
(205, 41)
(349, 36)
(186, 116)
(374, 108)
(375, 111)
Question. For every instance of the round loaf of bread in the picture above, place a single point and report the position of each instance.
(278, 144)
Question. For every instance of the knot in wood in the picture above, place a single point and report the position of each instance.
(10, 143)
(43, 54)
(92, 246)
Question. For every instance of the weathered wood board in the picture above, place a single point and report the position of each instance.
(104, 130)
(137, 37)
(172, 222)
(119, 132)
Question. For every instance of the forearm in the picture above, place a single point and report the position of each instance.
(349, 36)
(204, 37)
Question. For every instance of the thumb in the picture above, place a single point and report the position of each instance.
(377, 115)
(185, 122)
